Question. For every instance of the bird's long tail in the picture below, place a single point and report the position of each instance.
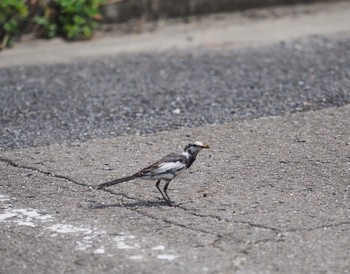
(117, 181)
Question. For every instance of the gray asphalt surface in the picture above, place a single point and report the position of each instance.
(147, 93)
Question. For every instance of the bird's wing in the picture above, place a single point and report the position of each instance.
(174, 157)
(170, 167)
(171, 163)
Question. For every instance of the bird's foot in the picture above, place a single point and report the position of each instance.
(173, 204)
(167, 202)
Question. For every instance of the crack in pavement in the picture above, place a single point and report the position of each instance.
(248, 245)
(277, 231)
(280, 237)
(47, 173)
(176, 223)
(325, 226)
(273, 229)
(139, 202)
(291, 230)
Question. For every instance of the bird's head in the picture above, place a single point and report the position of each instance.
(195, 147)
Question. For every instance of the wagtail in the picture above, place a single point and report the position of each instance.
(166, 169)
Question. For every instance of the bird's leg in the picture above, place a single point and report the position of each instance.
(166, 199)
(165, 189)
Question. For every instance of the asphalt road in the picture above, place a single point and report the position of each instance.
(147, 93)
(272, 195)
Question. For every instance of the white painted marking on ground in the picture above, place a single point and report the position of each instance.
(32, 213)
(136, 257)
(23, 216)
(100, 250)
(121, 242)
(168, 257)
(239, 261)
(26, 223)
(81, 246)
(7, 215)
(158, 247)
(31, 217)
(67, 228)
(4, 198)
(123, 245)
(87, 242)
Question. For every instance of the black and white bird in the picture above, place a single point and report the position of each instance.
(166, 169)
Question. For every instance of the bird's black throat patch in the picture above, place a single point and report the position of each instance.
(190, 160)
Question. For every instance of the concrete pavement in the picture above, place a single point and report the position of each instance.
(270, 196)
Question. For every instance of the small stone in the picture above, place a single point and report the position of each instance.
(106, 167)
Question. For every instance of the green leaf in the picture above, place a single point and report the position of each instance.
(87, 32)
(10, 26)
(79, 20)
(40, 20)
(2, 18)
(51, 31)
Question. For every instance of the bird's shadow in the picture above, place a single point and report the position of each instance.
(131, 204)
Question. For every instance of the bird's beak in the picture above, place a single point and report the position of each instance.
(205, 146)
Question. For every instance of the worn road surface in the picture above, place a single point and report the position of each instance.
(272, 195)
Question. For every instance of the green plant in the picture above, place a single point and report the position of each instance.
(12, 14)
(72, 19)
(47, 23)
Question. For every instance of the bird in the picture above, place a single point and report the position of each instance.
(166, 169)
